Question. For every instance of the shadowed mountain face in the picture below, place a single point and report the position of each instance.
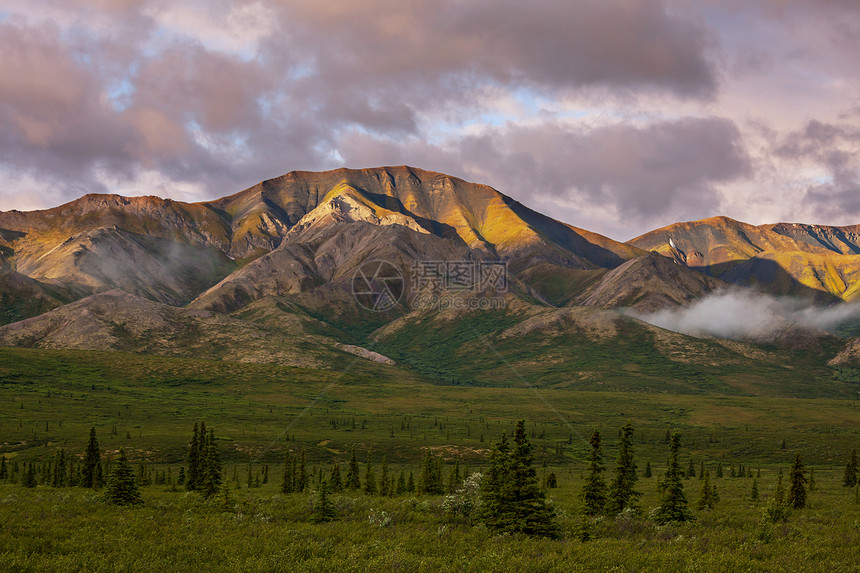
(649, 283)
(785, 259)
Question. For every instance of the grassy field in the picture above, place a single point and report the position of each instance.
(147, 405)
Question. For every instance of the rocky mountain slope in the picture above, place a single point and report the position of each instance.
(785, 259)
(267, 275)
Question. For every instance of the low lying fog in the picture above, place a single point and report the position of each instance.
(748, 315)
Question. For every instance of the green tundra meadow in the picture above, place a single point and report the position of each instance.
(394, 422)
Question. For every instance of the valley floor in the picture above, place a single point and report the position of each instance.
(51, 530)
(148, 405)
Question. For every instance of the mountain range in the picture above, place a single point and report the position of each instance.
(269, 274)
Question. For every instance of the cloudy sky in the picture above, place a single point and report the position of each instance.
(614, 115)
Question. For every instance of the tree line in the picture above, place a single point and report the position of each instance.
(507, 497)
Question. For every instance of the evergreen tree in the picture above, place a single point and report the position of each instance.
(72, 478)
(594, 488)
(850, 477)
(754, 491)
(122, 485)
(706, 493)
(622, 493)
(211, 467)
(551, 481)
(401, 482)
(410, 483)
(797, 491)
(384, 482)
(779, 492)
(513, 502)
(720, 469)
(647, 473)
(430, 481)
(91, 474)
(369, 475)
(811, 479)
(288, 483)
(4, 470)
(691, 469)
(180, 479)
(28, 480)
(353, 482)
(302, 476)
(336, 483)
(673, 507)
(193, 476)
(59, 478)
(323, 509)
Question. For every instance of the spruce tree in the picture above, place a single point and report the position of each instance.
(369, 475)
(622, 494)
(302, 476)
(706, 493)
(122, 485)
(4, 470)
(797, 491)
(28, 480)
(323, 509)
(91, 474)
(384, 482)
(513, 501)
(647, 473)
(288, 483)
(850, 477)
(673, 507)
(410, 483)
(720, 469)
(754, 491)
(779, 491)
(401, 482)
(353, 482)
(430, 481)
(210, 473)
(59, 478)
(336, 483)
(193, 476)
(594, 488)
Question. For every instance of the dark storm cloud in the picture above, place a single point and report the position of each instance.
(644, 174)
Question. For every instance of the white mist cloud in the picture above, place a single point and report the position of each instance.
(749, 315)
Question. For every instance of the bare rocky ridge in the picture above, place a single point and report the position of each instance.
(813, 261)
